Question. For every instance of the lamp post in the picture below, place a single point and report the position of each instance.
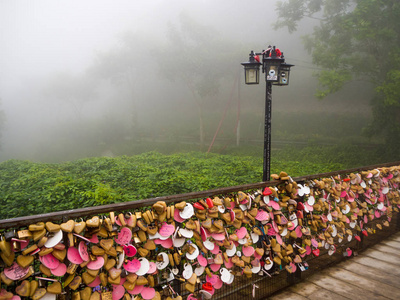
(276, 73)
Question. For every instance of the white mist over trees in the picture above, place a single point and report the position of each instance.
(101, 77)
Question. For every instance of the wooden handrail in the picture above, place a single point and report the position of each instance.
(125, 206)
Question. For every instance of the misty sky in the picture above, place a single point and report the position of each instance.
(41, 38)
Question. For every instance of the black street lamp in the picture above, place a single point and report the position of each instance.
(276, 73)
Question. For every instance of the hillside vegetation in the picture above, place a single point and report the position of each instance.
(29, 188)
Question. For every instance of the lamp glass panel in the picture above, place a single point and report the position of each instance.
(252, 76)
(273, 72)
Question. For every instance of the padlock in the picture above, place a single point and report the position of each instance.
(71, 269)
(121, 219)
(9, 235)
(71, 239)
(108, 224)
(24, 234)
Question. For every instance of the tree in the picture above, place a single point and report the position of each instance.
(355, 40)
(127, 66)
(196, 55)
(68, 90)
(2, 121)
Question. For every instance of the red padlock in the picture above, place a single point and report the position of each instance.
(198, 206)
(267, 191)
(207, 286)
(300, 206)
(299, 214)
(316, 252)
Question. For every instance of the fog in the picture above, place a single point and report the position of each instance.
(90, 78)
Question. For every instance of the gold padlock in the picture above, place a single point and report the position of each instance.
(24, 234)
(106, 295)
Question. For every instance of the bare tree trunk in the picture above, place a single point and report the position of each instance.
(201, 127)
(200, 114)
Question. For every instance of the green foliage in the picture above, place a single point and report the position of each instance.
(333, 81)
(354, 40)
(28, 188)
(391, 88)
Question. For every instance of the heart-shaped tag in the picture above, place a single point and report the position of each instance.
(311, 200)
(241, 232)
(315, 252)
(160, 264)
(96, 264)
(40, 293)
(187, 271)
(199, 270)
(165, 243)
(294, 267)
(202, 260)
(152, 268)
(144, 266)
(279, 239)
(134, 265)
(215, 267)
(74, 256)
(148, 293)
(275, 205)
(187, 212)
(106, 244)
(308, 207)
(114, 273)
(207, 286)
(124, 236)
(95, 282)
(82, 249)
(15, 272)
(167, 230)
(118, 292)
(225, 275)
(177, 216)
(68, 226)
(298, 232)
(79, 227)
(194, 254)
(203, 233)
(248, 251)
(130, 250)
(262, 215)
(93, 222)
(54, 240)
(51, 262)
(289, 268)
(136, 290)
(187, 233)
(60, 270)
(218, 236)
(23, 289)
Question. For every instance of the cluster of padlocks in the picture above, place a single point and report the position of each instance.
(202, 244)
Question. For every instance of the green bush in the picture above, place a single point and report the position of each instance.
(28, 188)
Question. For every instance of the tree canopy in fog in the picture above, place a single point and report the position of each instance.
(196, 56)
(355, 40)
